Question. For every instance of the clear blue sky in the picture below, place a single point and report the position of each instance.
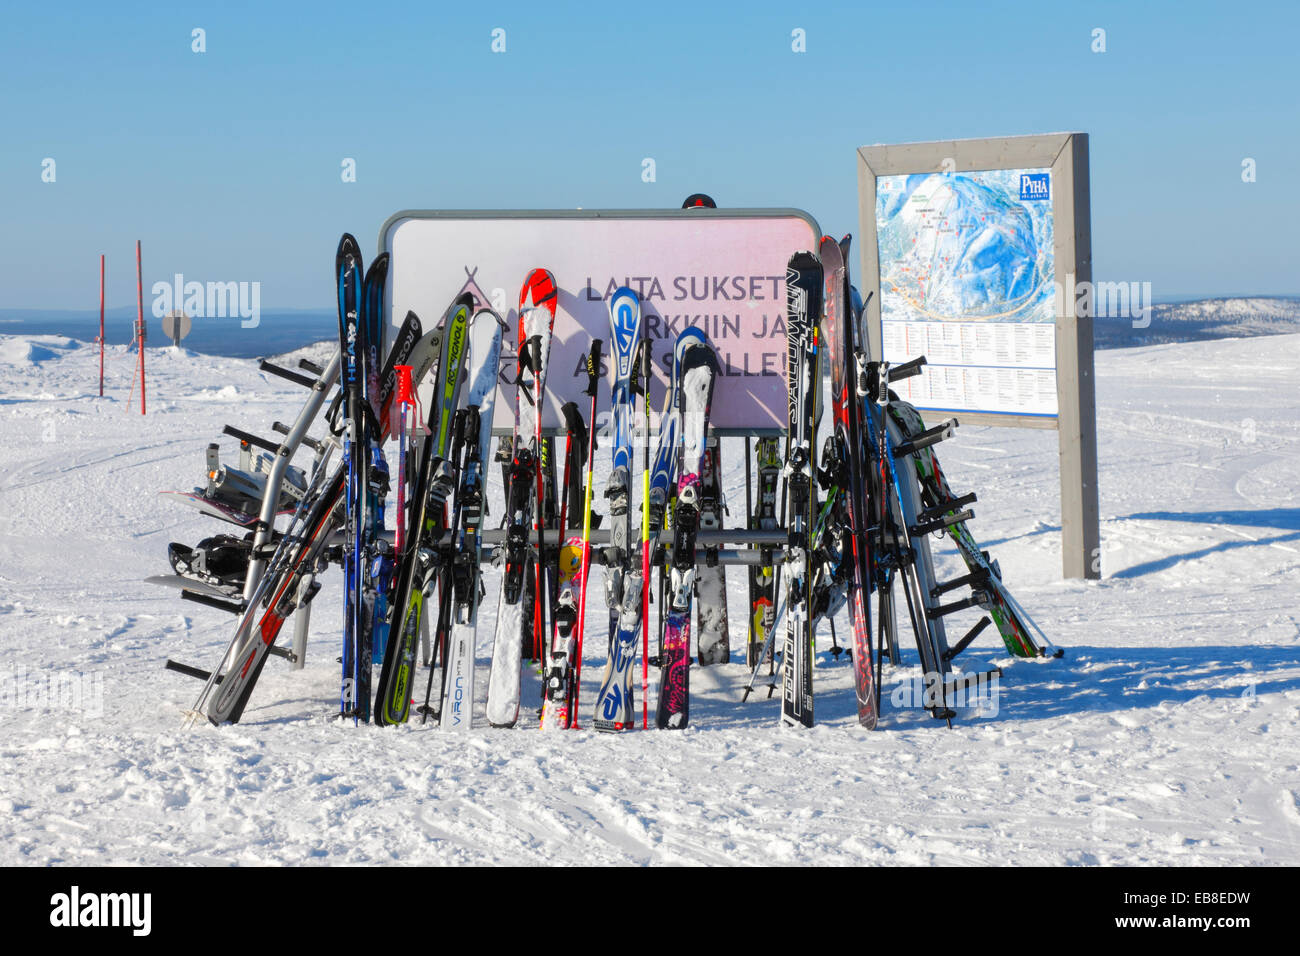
(226, 164)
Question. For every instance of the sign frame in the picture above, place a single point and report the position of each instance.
(1066, 156)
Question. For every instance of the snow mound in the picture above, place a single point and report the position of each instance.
(33, 349)
(226, 392)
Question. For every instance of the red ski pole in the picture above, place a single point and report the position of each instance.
(139, 318)
(101, 326)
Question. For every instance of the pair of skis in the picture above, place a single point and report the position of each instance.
(683, 452)
(615, 705)
(441, 552)
(525, 501)
(820, 327)
(693, 381)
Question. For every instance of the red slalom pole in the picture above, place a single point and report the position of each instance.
(101, 326)
(139, 318)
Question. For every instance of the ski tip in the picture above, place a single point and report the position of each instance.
(539, 290)
(486, 310)
(691, 335)
(831, 254)
(348, 249)
(378, 271)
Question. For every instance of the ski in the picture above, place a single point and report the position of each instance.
(287, 583)
(446, 399)
(762, 578)
(711, 578)
(349, 272)
(375, 557)
(524, 498)
(434, 483)
(564, 667)
(615, 707)
(614, 704)
(846, 460)
(699, 368)
(803, 308)
(900, 547)
(458, 668)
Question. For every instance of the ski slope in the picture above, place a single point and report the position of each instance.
(1169, 734)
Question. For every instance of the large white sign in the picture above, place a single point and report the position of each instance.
(720, 270)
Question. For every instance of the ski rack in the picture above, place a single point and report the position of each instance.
(295, 437)
(705, 541)
(909, 527)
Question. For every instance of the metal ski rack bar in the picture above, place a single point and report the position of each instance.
(931, 436)
(283, 453)
(246, 438)
(287, 374)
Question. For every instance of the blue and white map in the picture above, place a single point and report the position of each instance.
(966, 246)
(967, 279)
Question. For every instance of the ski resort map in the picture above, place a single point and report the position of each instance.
(967, 279)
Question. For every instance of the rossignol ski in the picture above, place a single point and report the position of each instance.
(434, 483)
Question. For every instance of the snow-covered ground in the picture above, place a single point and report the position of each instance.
(1169, 733)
